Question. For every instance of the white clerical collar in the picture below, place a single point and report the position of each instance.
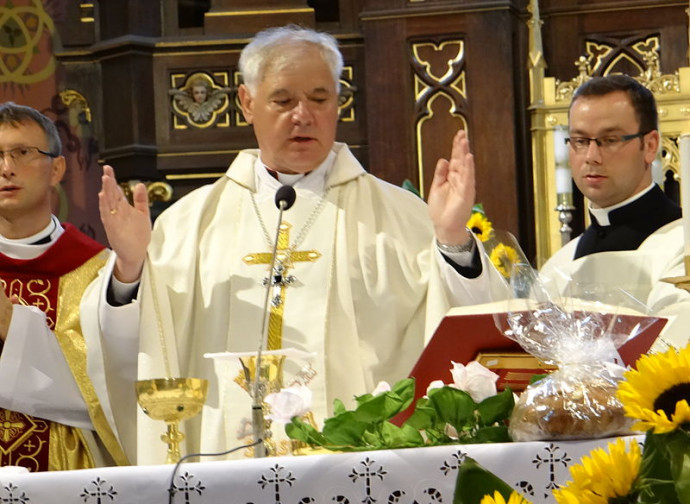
(26, 248)
(314, 181)
(602, 214)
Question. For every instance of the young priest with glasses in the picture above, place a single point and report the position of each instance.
(635, 238)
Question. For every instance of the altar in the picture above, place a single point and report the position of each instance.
(407, 476)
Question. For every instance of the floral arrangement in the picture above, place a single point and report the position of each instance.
(656, 394)
(469, 410)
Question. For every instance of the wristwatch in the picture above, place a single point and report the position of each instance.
(456, 249)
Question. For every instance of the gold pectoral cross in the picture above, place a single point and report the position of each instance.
(279, 279)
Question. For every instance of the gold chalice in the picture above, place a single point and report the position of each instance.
(172, 400)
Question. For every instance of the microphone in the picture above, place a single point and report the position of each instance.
(284, 199)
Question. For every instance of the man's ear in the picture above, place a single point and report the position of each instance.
(247, 103)
(651, 146)
(57, 170)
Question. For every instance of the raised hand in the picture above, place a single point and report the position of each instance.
(452, 193)
(128, 227)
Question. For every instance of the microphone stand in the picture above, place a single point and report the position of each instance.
(285, 197)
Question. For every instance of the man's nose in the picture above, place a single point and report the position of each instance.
(593, 153)
(301, 114)
(6, 164)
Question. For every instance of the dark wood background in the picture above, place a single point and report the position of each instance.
(123, 61)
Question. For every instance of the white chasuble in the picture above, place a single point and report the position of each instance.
(362, 304)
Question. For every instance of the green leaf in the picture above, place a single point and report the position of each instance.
(407, 184)
(474, 482)
(363, 398)
(386, 405)
(400, 437)
(492, 434)
(372, 440)
(657, 485)
(404, 388)
(496, 408)
(344, 429)
(479, 208)
(338, 407)
(302, 431)
(424, 415)
(678, 447)
(453, 406)
(379, 408)
(535, 378)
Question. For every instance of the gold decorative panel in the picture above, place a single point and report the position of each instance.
(440, 95)
(346, 103)
(198, 101)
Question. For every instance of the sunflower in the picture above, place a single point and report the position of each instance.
(658, 392)
(480, 226)
(603, 477)
(504, 257)
(515, 498)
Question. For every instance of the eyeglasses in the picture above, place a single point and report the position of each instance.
(609, 143)
(23, 155)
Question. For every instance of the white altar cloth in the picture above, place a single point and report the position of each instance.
(415, 475)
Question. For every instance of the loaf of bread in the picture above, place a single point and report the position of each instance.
(567, 406)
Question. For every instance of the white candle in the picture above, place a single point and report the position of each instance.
(564, 181)
(684, 146)
(560, 148)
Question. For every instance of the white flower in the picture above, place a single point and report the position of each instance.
(381, 388)
(478, 381)
(434, 385)
(288, 403)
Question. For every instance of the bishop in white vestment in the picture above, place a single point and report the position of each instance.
(362, 280)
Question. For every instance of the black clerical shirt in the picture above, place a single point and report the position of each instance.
(629, 225)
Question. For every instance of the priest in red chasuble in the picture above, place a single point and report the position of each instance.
(50, 418)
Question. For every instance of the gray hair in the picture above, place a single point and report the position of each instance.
(270, 47)
(13, 114)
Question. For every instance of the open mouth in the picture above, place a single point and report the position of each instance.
(302, 139)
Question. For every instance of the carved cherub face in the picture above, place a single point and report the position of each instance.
(199, 93)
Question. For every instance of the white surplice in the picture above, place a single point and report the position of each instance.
(638, 273)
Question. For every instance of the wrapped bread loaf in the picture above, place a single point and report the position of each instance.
(571, 403)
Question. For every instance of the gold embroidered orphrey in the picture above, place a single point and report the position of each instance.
(280, 278)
